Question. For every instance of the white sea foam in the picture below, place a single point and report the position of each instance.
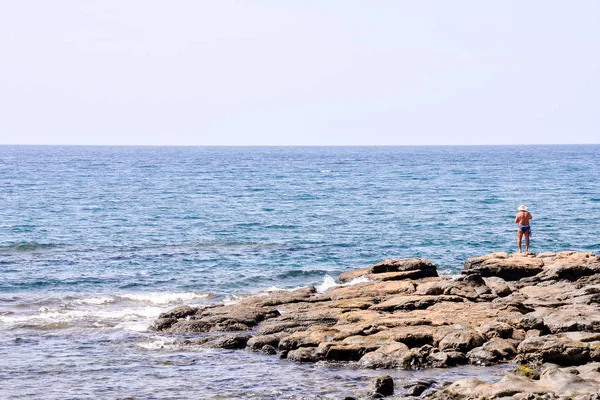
(165, 298)
(233, 299)
(328, 282)
(156, 344)
(268, 290)
(96, 300)
(356, 281)
(86, 317)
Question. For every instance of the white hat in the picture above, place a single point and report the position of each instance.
(522, 208)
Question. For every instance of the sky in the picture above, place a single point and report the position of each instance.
(276, 72)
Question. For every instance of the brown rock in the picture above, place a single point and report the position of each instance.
(496, 350)
(383, 385)
(407, 268)
(494, 329)
(387, 356)
(257, 342)
(413, 302)
(509, 268)
(304, 354)
(311, 337)
(558, 349)
(461, 340)
(231, 342)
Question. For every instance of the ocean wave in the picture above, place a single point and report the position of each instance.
(295, 273)
(136, 247)
(329, 282)
(166, 298)
(29, 246)
(94, 317)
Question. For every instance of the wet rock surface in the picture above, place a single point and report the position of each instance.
(540, 312)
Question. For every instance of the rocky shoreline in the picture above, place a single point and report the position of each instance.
(540, 312)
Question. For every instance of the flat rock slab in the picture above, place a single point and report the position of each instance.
(509, 268)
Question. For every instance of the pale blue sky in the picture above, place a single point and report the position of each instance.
(299, 73)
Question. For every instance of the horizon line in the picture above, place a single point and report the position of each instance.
(293, 145)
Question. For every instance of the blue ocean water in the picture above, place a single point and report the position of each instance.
(96, 241)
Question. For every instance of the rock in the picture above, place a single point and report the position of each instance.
(415, 389)
(383, 385)
(387, 356)
(417, 358)
(527, 371)
(413, 302)
(407, 268)
(570, 318)
(230, 342)
(471, 287)
(496, 350)
(438, 359)
(219, 319)
(461, 340)
(268, 349)
(346, 351)
(304, 354)
(509, 268)
(257, 342)
(496, 329)
(567, 383)
(498, 286)
(311, 337)
(167, 319)
(487, 315)
(372, 290)
(570, 269)
(558, 349)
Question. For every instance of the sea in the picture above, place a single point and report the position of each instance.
(96, 242)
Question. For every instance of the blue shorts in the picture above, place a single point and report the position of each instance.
(524, 228)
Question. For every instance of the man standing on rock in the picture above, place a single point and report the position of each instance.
(523, 217)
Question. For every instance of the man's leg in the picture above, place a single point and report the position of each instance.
(519, 236)
(526, 242)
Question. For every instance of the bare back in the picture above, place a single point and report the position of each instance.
(523, 218)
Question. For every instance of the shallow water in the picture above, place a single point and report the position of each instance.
(95, 242)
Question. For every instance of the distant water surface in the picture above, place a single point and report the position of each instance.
(96, 241)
